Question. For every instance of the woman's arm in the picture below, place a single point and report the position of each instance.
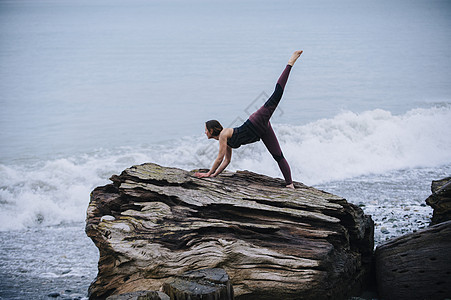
(225, 162)
(224, 152)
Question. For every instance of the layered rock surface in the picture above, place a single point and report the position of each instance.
(205, 284)
(416, 265)
(153, 223)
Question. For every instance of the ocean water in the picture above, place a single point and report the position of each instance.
(89, 88)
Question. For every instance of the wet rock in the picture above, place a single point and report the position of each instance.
(205, 284)
(140, 295)
(273, 242)
(416, 265)
(440, 200)
(53, 295)
(384, 230)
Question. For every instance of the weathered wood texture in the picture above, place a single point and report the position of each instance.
(204, 284)
(154, 223)
(440, 200)
(416, 265)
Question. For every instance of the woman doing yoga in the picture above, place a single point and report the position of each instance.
(255, 128)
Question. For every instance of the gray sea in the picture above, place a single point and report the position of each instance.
(89, 88)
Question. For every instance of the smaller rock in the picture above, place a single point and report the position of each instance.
(140, 295)
(211, 284)
(384, 230)
(53, 295)
(416, 266)
(440, 200)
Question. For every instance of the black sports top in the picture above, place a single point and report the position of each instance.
(245, 134)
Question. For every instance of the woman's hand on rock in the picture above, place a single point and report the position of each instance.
(201, 175)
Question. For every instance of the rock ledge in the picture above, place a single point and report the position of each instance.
(154, 223)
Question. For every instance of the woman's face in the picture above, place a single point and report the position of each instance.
(207, 133)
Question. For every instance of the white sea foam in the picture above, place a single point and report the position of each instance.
(371, 142)
(348, 145)
(57, 191)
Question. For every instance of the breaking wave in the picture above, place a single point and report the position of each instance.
(350, 144)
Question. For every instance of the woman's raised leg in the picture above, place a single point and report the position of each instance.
(261, 117)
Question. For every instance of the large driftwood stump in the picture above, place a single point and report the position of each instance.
(440, 200)
(154, 223)
(416, 265)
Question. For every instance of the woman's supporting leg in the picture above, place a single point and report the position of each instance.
(272, 144)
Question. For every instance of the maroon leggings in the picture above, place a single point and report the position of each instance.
(260, 120)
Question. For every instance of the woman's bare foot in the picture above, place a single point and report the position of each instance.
(290, 186)
(294, 57)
